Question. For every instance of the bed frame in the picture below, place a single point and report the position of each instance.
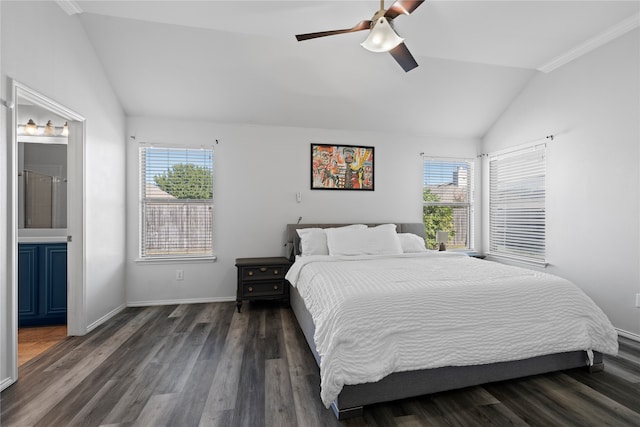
(401, 385)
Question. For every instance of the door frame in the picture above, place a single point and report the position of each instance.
(76, 286)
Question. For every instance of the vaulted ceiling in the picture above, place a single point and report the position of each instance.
(238, 61)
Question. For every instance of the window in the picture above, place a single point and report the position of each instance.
(176, 202)
(517, 204)
(447, 196)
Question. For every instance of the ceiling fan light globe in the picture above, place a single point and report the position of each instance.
(382, 37)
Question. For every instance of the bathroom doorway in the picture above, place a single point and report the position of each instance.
(47, 216)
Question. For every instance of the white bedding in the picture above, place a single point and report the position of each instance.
(375, 315)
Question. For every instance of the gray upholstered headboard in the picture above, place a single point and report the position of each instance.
(293, 239)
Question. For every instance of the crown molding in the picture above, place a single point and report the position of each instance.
(612, 33)
(71, 7)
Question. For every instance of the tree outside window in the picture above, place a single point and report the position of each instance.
(447, 201)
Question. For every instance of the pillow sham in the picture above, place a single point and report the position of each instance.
(411, 243)
(380, 240)
(313, 241)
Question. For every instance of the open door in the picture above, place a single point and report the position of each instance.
(76, 310)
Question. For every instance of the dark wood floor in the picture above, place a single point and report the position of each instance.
(205, 364)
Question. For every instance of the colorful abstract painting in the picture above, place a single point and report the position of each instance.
(342, 167)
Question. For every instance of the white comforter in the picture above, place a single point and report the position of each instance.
(377, 315)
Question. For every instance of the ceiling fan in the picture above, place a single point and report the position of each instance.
(382, 36)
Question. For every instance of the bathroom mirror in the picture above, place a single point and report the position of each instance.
(42, 168)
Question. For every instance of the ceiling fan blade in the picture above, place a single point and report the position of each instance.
(402, 7)
(402, 55)
(362, 25)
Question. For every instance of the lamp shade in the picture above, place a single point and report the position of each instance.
(382, 37)
(30, 128)
(442, 237)
(49, 129)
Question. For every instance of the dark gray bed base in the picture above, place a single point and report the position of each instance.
(401, 385)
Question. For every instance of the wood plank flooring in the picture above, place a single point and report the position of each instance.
(207, 365)
(35, 340)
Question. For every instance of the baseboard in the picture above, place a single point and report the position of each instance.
(178, 301)
(106, 317)
(117, 310)
(6, 383)
(630, 335)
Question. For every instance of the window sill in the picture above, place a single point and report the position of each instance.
(516, 260)
(173, 260)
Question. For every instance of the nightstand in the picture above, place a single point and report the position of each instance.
(262, 278)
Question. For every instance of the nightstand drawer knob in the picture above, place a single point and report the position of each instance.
(250, 273)
(275, 287)
(250, 289)
(275, 271)
(263, 269)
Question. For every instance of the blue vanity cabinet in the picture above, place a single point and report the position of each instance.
(28, 286)
(42, 284)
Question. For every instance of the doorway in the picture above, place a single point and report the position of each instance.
(46, 213)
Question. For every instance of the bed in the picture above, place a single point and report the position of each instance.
(391, 324)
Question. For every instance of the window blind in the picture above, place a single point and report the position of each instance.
(517, 215)
(176, 198)
(448, 200)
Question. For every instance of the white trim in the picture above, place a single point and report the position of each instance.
(43, 139)
(6, 383)
(173, 260)
(12, 241)
(506, 259)
(71, 7)
(629, 335)
(593, 43)
(37, 98)
(106, 317)
(179, 301)
(76, 290)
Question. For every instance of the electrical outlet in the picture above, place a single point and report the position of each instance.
(179, 275)
(638, 300)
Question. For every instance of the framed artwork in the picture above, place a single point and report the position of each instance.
(342, 167)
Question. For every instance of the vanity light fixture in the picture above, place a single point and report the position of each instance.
(49, 129)
(31, 128)
(65, 129)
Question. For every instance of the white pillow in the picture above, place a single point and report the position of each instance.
(380, 240)
(411, 243)
(313, 241)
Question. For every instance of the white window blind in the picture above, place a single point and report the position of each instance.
(448, 201)
(517, 219)
(176, 202)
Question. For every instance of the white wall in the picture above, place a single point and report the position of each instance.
(258, 171)
(592, 105)
(48, 51)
